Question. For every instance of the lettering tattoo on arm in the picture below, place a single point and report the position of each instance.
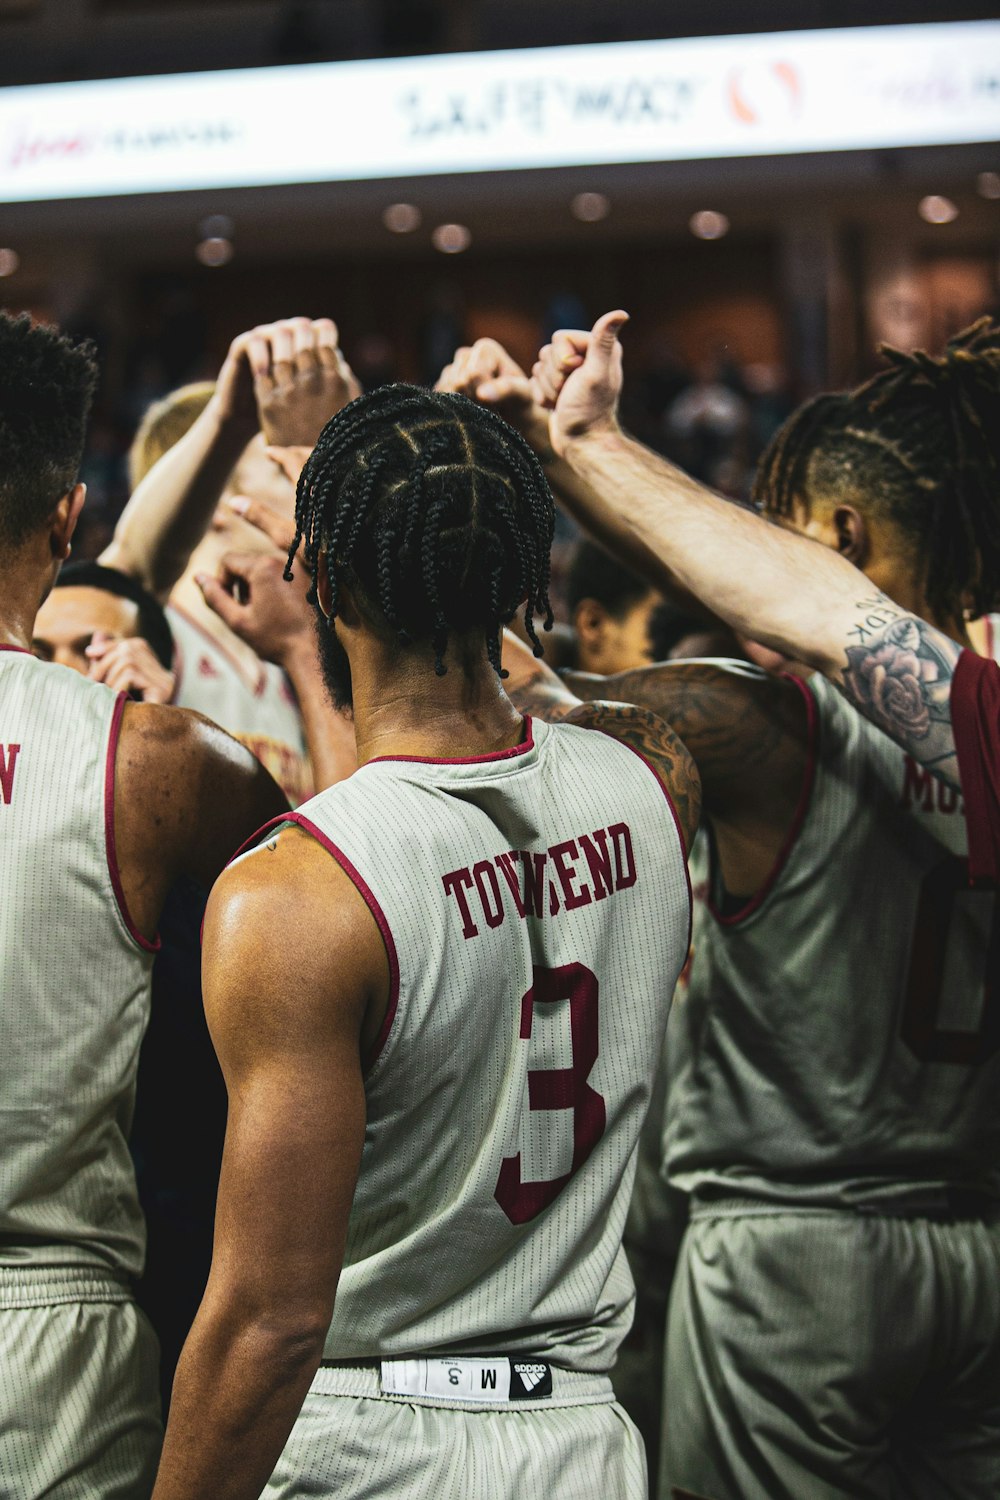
(898, 673)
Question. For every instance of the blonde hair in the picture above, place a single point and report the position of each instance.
(164, 424)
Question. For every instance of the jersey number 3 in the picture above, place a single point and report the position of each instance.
(558, 1088)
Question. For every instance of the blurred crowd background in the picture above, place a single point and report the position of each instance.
(751, 283)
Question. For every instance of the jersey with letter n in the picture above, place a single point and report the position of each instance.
(535, 909)
(844, 1027)
(74, 978)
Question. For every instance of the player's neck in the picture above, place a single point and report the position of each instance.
(406, 709)
(22, 593)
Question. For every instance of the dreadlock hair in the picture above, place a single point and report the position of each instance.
(434, 511)
(919, 441)
(46, 386)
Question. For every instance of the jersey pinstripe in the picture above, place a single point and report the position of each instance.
(74, 979)
(262, 714)
(844, 1029)
(535, 908)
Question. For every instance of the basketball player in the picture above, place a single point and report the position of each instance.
(102, 805)
(835, 1323)
(438, 1030)
(104, 624)
(197, 457)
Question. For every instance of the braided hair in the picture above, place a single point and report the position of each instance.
(436, 513)
(920, 441)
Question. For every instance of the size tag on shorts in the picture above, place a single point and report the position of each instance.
(492, 1382)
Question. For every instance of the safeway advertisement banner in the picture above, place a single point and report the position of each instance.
(565, 106)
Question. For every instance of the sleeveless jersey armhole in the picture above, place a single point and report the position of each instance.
(682, 842)
(364, 890)
(754, 902)
(110, 846)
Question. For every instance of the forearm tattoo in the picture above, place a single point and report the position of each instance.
(898, 674)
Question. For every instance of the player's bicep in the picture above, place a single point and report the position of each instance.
(287, 1029)
(746, 729)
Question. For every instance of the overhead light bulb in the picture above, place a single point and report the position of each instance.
(935, 209)
(590, 208)
(708, 225)
(215, 251)
(451, 239)
(401, 218)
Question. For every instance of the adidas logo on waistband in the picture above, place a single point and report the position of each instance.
(529, 1380)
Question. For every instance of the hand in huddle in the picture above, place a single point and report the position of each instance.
(485, 372)
(578, 378)
(130, 666)
(287, 379)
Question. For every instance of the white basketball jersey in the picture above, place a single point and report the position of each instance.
(261, 712)
(74, 978)
(535, 909)
(843, 1030)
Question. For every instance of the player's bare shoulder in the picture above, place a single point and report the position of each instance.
(653, 739)
(187, 795)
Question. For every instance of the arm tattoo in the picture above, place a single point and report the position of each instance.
(744, 727)
(656, 742)
(898, 674)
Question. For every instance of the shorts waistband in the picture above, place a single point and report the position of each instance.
(499, 1382)
(951, 1205)
(46, 1286)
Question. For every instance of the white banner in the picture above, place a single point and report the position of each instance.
(782, 92)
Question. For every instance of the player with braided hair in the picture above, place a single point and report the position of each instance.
(437, 487)
(485, 921)
(834, 1326)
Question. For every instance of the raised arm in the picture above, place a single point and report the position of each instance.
(767, 583)
(295, 978)
(285, 379)
(271, 614)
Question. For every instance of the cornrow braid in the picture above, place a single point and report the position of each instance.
(920, 441)
(436, 514)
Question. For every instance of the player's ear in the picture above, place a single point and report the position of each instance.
(63, 522)
(323, 593)
(590, 620)
(853, 536)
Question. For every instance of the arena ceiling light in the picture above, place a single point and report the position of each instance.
(9, 262)
(988, 184)
(590, 208)
(451, 239)
(706, 224)
(401, 218)
(936, 209)
(215, 251)
(686, 98)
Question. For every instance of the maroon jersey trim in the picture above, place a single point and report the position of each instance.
(22, 649)
(975, 722)
(673, 813)
(109, 830)
(528, 743)
(802, 807)
(370, 900)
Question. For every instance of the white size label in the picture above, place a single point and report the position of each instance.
(484, 1380)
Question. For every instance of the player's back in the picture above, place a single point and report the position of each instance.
(74, 978)
(843, 1030)
(535, 909)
